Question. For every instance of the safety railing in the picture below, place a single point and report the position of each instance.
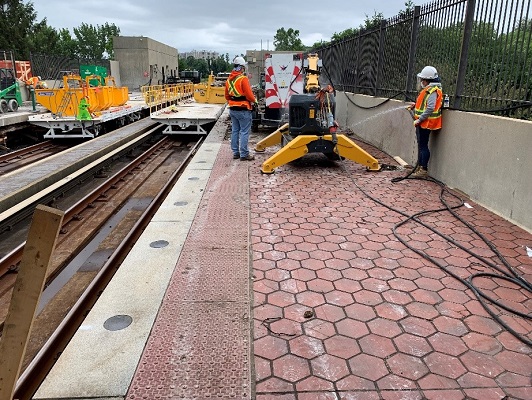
(160, 96)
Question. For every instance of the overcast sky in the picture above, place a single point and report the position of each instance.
(214, 25)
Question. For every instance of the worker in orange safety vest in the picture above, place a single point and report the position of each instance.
(240, 99)
(427, 115)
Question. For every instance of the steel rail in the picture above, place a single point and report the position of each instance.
(26, 150)
(9, 262)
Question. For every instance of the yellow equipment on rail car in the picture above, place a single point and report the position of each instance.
(64, 101)
(312, 128)
(212, 92)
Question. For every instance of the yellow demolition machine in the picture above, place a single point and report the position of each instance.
(312, 128)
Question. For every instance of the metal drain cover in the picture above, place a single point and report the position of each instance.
(117, 322)
(159, 244)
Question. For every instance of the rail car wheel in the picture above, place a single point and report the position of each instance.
(12, 105)
(4, 106)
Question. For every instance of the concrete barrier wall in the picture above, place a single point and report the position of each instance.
(486, 157)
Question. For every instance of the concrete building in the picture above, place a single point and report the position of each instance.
(144, 61)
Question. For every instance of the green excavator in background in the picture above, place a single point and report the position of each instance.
(10, 96)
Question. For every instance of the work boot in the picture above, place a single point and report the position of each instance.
(249, 157)
(420, 172)
(236, 156)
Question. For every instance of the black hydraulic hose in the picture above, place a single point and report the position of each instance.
(376, 105)
(481, 296)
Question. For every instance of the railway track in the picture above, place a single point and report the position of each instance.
(102, 226)
(14, 160)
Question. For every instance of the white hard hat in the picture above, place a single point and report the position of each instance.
(428, 72)
(239, 61)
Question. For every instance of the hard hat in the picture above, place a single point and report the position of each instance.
(428, 72)
(239, 61)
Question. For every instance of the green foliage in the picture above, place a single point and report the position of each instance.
(45, 39)
(22, 33)
(205, 67)
(286, 40)
(95, 42)
(16, 24)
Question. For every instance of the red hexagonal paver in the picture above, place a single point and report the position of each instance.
(451, 326)
(270, 347)
(482, 364)
(413, 345)
(329, 312)
(360, 312)
(377, 345)
(320, 286)
(339, 298)
(368, 367)
(352, 328)
(310, 299)
(291, 368)
(303, 274)
(347, 285)
(520, 363)
(330, 367)
(482, 325)
(384, 327)
(293, 286)
(281, 299)
(445, 365)
(397, 297)
(482, 343)
(417, 326)
(313, 264)
(392, 312)
(319, 329)
(342, 346)
(368, 298)
(447, 344)
(407, 366)
(306, 347)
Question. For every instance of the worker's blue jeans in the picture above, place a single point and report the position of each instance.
(240, 126)
(423, 152)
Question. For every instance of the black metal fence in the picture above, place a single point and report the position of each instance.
(481, 49)
(51, 67)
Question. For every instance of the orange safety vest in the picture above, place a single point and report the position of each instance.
(32, 81)
(236, 92)
(433, 122)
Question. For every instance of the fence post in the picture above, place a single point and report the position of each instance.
(357, 66)
(466, 39)
(412, 53)
(380, 55)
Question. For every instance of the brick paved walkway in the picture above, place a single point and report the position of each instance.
(344, 310)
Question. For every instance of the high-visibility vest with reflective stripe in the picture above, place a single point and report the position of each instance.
(433, 122)
(234, 87)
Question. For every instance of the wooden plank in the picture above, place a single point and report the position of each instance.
(30, 280)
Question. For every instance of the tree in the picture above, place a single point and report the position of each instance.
(67, 45)
(45, 39)
(95, 42)
(287, 40)
(16, 22)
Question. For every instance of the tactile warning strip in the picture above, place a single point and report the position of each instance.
(200, 344)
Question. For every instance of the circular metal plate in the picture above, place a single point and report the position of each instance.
(117, 322)
(159, 244)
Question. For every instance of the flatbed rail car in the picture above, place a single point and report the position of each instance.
(138, 105)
